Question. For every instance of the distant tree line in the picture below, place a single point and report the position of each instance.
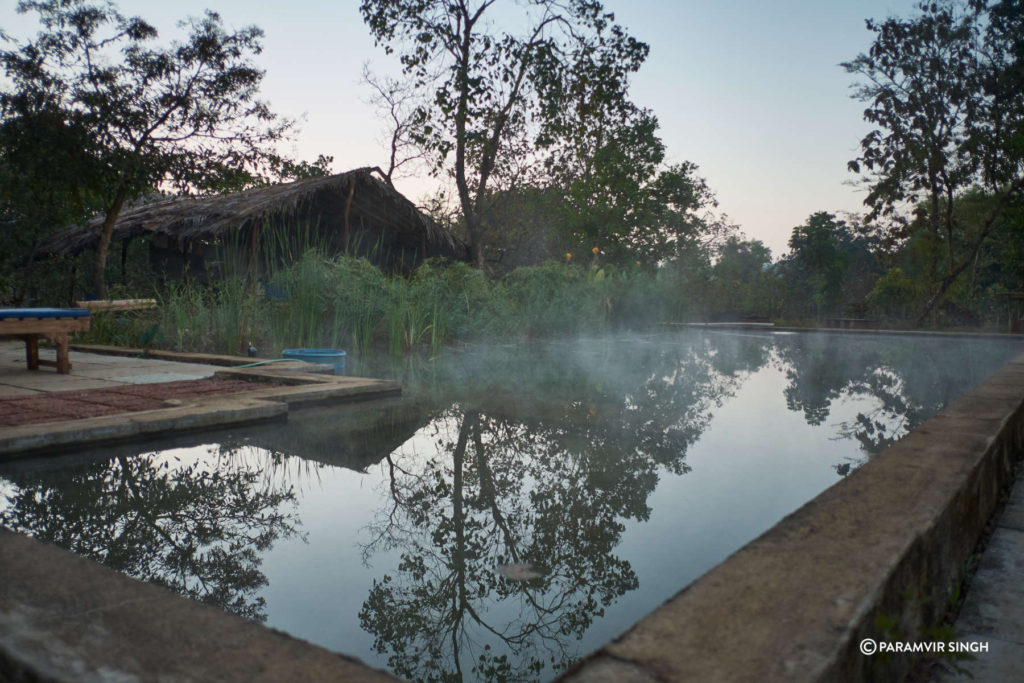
(570, 170)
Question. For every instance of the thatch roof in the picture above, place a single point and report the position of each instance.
(185, 219)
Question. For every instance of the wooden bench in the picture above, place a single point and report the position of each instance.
(102, 305)
(29, 324)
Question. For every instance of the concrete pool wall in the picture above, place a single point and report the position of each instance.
(877, 555)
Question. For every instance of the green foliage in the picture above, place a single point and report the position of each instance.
(740, 278)
(183, 313)
(830, 268)
(945, 90)
(464, 303)
(351, 303)
(639, 210)
(893, 295)
(123, 328)
(144, 117)
(219, 318)
(299, 170)
(40, 186)
(559, 299)
(499, 95)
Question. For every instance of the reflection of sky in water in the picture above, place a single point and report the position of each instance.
(762, 423)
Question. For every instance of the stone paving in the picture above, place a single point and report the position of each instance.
(110, 396)
(88, 371)
(993, 610)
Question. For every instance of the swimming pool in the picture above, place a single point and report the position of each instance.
(518, 507)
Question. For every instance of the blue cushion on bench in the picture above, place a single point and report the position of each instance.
(36, 313)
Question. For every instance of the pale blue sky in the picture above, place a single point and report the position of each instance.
(749, 90)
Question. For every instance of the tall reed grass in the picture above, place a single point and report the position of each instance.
(348, 302)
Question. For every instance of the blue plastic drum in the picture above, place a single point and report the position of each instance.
(336, 357)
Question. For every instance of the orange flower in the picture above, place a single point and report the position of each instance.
(638, 263)
(568, 256)
(595, 250)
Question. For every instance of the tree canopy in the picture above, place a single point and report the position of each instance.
(185, 116)
(945, 90)
(501, 96)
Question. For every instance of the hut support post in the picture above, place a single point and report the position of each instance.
(253, 253)
(348, 209)
(124, 262)
(71, 281)
(251, 282)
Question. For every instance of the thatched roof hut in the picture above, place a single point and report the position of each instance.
(353, 212)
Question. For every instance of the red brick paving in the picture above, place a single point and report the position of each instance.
(70, 405)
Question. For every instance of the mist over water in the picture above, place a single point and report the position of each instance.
(518, 507)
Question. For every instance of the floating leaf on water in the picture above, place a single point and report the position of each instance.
(518, 571)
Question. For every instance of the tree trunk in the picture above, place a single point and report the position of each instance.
(948, 281)
(476, 247)
(469, 213)
(124, 263)
(99, 281)
(458, 514)
(1010, 193)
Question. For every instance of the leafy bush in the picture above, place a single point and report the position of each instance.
(893, 296)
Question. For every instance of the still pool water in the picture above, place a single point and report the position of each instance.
(518, 507)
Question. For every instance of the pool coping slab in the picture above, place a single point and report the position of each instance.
(67, 618)
(52, 437)
(771, 327)
(163, 354)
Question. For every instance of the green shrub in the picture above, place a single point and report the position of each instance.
(555, 299)
(893, 296)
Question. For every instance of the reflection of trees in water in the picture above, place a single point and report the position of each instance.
(906, 381)
(275, 469)
(199, 529)
(544, 477)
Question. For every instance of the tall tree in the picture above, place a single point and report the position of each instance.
(946, 92)
(820, 256)
(498, 92)
(396, 103)
(156, 117)
(621, 198)
(41, 167)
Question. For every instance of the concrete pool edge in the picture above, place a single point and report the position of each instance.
(220, 359)
(877, 556)
(884, 332)
(66, 618)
